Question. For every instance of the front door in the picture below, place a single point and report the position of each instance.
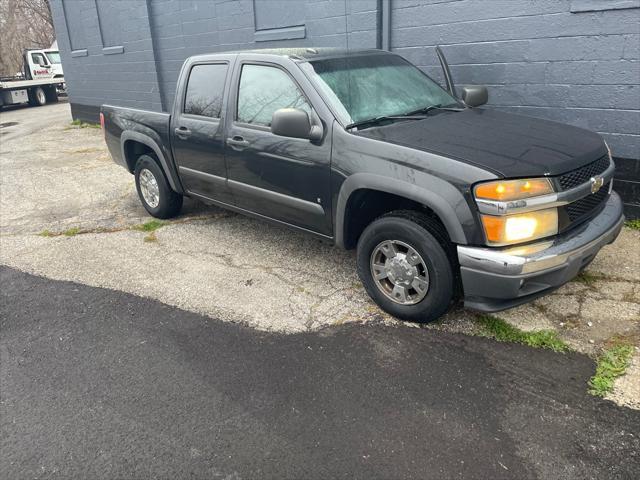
(198, 132)
(283, 178)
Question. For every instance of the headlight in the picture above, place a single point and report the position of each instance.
(523, 227)
(506, 190)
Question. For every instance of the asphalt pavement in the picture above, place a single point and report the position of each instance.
(97, 383)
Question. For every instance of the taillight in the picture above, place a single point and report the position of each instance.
(102, 120)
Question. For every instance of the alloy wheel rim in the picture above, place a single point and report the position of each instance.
(149, 188)
(399, 272)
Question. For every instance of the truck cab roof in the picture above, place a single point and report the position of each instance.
(299, 54)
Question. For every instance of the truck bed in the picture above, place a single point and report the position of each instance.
(146, 122)
(18, 84)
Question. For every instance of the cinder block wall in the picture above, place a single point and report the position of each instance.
(187, 27)
(107, 58)
(574, 61)
(156, 36)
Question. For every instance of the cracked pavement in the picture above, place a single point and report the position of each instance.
(55, 176)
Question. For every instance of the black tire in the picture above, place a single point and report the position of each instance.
(169, 202)
(52, 94)
(37, 97)
(426, 236)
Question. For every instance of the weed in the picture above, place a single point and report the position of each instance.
(635, 224)
(503, 332)
(587, 278)
(149, 226)
(71, 232)
(611, 364)
(81, 124)
(47, 233)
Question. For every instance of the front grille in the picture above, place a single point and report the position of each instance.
(587, 204)
(583, 174)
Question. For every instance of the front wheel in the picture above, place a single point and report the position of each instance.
(154, 190)
(404, 267)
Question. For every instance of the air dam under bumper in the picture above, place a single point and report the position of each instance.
(494, 279)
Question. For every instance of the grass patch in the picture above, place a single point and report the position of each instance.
(611, 364)
(504, 332)
(71, 232)
(585, 277)
(81, 124)
(635, 224)
(150, 226)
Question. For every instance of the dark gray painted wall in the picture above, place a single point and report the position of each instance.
(575, 61)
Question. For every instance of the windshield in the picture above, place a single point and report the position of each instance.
(370, 86)
(54, 57)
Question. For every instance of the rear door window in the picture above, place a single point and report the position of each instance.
(204, 90)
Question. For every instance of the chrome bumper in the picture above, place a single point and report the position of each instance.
(498, 278)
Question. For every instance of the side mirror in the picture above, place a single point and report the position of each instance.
(474, 96)
(295, 123)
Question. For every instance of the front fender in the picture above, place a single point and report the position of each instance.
(443, 198)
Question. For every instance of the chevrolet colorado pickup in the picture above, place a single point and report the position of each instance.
(441, 199)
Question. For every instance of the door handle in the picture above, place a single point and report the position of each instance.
(237, 142)
(183, 132)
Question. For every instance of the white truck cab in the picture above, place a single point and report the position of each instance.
(42, 63)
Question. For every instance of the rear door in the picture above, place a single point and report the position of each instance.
(283, 178)
(198, 130)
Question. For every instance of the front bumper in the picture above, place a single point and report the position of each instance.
(494, 279)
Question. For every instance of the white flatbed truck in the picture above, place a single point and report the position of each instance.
(39, 83)
(35, 92)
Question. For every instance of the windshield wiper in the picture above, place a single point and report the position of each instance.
(426, 110)
(418, 114)
(373, 121)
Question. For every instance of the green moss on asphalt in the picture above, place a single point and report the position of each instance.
(611, 364)
(635, 224)
(71, 232)
(587, 278)
(504, 332)
(149, 226)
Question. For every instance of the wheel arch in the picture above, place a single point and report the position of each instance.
(134, 144)
(434, 202)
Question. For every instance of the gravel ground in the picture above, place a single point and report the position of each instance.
(54, 176)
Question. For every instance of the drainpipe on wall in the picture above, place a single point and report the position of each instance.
(384, 29)
(156, 61)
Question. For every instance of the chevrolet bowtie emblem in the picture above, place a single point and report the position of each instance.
(596, 184)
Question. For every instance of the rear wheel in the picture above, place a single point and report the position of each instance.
(154, 190)
(37, 97)
(405, 267)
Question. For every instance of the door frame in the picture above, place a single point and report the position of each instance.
(321, 114)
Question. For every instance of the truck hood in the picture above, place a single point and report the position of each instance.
(507, 144)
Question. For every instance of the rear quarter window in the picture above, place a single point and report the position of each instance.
(204, 90)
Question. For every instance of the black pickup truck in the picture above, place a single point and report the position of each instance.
(441, 199)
